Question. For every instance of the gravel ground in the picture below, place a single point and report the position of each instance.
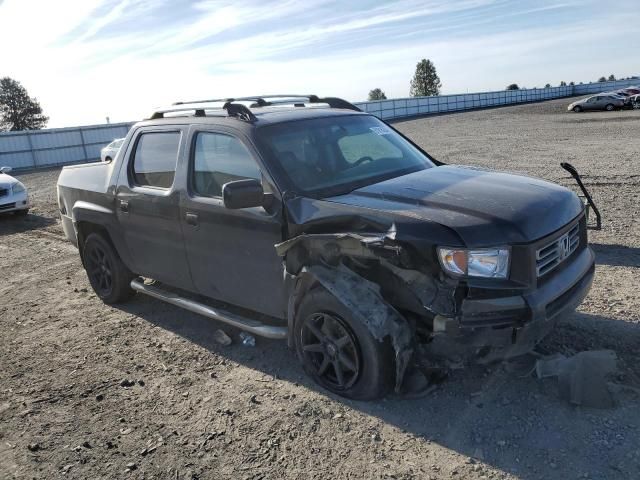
(144, 391)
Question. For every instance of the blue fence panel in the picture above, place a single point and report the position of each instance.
(14, 143)
(45, 158)
(17, 159)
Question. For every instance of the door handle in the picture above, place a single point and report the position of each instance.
(124, 206)
(191, 219)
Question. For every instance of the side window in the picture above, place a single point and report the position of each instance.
(155, 157)
(219, 159)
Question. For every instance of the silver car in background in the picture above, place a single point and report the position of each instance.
(602, 101)
(13, 194)
(109, 152)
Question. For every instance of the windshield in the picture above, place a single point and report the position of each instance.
(335, 155)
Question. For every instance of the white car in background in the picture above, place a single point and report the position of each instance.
(13, 194)
(109, 152)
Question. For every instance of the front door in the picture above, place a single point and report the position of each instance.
(593, 103)
(148, 206)
(231, 252)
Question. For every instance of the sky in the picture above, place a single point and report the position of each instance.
(85, 60)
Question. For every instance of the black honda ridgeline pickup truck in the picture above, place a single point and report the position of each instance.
(305, 219)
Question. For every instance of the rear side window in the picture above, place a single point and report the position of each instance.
(219, 159)
(154, 163)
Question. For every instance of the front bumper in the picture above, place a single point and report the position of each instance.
(14, 202)
(533, 314)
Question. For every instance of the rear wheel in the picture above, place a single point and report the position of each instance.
(577, 109)
(339, 352)
(109, 277)
(609, 107)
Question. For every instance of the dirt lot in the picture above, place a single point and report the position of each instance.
(201, 410)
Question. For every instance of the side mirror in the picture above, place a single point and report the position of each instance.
(5, 169)
(243, 194)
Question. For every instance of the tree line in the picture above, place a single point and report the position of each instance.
(610, 78)
(425, 82)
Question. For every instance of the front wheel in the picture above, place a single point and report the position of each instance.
(609, 107)
(339, 352)
(109, 277)
(577, 109)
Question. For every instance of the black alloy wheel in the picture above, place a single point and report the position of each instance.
(330, 347)
(99, 270)
(109, 277)
(338, 350)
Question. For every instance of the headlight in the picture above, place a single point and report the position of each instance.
(18, 187)
(482, 262)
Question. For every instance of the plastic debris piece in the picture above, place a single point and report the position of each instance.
(247, 340)
(582, 378)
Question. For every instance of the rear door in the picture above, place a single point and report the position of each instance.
(231, 252)
(148, 205)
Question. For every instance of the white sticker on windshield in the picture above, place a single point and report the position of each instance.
(380, 130)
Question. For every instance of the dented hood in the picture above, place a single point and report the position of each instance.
(483, 207)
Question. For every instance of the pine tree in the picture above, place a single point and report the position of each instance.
(425, 81)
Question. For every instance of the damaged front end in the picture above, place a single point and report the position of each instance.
(433, 321)
(377, 279)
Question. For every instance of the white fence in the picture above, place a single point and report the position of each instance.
(57, 146)
(60, 146)
(408, 107)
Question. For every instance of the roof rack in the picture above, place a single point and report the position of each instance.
(242, 112)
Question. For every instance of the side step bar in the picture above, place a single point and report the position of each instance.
(243, 323)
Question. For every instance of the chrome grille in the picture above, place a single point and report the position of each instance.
(555, 252)
(4, 192)
(7, 206)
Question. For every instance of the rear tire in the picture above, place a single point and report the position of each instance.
(21, 213)
(577, 109)
(609, 107)
(109, 277)
(339, 352)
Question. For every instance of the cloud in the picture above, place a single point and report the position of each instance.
(121, 58)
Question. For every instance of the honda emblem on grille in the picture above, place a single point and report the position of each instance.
(564, 247)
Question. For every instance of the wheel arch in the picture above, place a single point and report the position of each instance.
(86, 228)
(363, 299)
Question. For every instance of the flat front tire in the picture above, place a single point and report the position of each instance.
(109, 277)
(338, 352)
